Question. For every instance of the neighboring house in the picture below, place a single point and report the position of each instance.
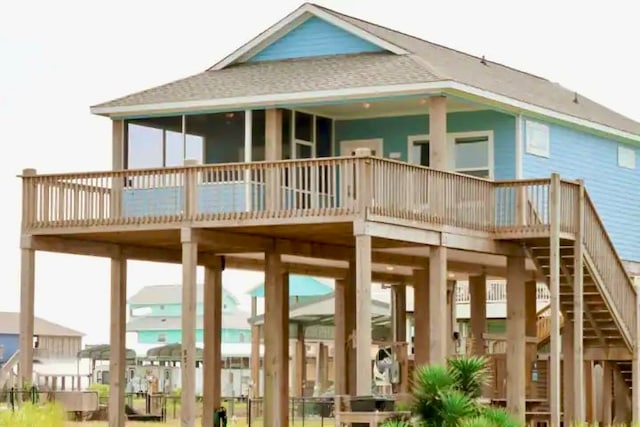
(154, 315)
(51, 341)
(334, 147)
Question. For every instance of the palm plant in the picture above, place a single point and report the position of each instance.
(448, 396)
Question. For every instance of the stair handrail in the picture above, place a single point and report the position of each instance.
(622, 297)
(5, 370)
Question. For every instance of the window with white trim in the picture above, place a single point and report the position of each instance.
(626, 157)
(471, 152)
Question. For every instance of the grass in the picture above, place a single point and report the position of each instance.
(176, 423)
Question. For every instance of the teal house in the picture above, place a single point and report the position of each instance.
(154, 315)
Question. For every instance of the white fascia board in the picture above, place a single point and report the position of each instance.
(370, 92)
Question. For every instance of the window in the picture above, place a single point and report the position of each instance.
(471, 156)
(162, 142)
(162, 337)
(470, 153)
(537, 139)
(626, 157)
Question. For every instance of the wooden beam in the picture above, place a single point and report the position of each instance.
(188, 361)
(554, 287)
(27, 315)
(438, 306)
(578, 405)
(516, 334)
(363, 315)
(117, 355)
(607, 353)
(212, 319)
(421, 315)
(478, 312)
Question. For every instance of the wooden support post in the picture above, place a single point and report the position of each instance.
(212, 319)
(255, 351)
(531, 330)
(438, 305)
(607, 393)
(301, 361)
(363, 339)
(578, 405)
(554, 287)
(117, 354)
(451, 316)
(421, 316)
(635, 368)
(516, 342)
(273, 152)
(590, 405)
(27, 315)
(438, 147)
(399, 312)
(340, 339)
(478, 311)
(276, 338)
(350, 318)
(188, 362)
(567, 373)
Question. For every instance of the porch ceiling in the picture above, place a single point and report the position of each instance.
(382, 108)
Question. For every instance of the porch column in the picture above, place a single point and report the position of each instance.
(301, 361)
(188, 362)
(255, 351)
(635, 367)
(421, 316)
(340, 381)
(363, 315)
(273, 152)
(568, 393)
(452, 318)
(352, 302)
(554, 287)
(578, 405)
(438, 133)
(276, 340)
(117, 353)
(607, 393)
(516, 343)
(324, 367)
(531, 328)
(212, 340)
(399, 312)
(478, 311)
(438, 305)
(27, 298)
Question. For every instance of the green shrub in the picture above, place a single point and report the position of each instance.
(102, 389)
(28, 415)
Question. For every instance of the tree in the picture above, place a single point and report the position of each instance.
(448, 396)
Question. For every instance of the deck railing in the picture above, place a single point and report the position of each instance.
(324, 188)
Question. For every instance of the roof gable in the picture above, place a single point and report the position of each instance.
(315, 37)
(307, 32)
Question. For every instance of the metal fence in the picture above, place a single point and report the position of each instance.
(13, 398)
(309, 411)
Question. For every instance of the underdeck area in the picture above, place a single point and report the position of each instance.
(357, 220)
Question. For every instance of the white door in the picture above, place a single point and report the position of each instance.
(348, 148)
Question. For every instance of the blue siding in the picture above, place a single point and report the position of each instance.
(314, 37)
(396, 130)
(9, 343)
(578, 155)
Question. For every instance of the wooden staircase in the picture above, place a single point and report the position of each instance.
(609, 295)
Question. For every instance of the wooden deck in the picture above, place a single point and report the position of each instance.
(311, 213)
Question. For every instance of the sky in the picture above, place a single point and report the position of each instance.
(58, 58)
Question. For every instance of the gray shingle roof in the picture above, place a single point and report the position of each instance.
(426, 62)
(238, 320)
(169, 294)
(10, 324)
(289, 76)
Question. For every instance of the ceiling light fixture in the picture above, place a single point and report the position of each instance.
(366, 105)
(452, 275)
(423, 101)
(230, 115)
(389, 267)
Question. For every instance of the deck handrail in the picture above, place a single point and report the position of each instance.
(612, 274)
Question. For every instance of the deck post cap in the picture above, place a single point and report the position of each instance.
(29, 172)
(363, 152)
(191, 162)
